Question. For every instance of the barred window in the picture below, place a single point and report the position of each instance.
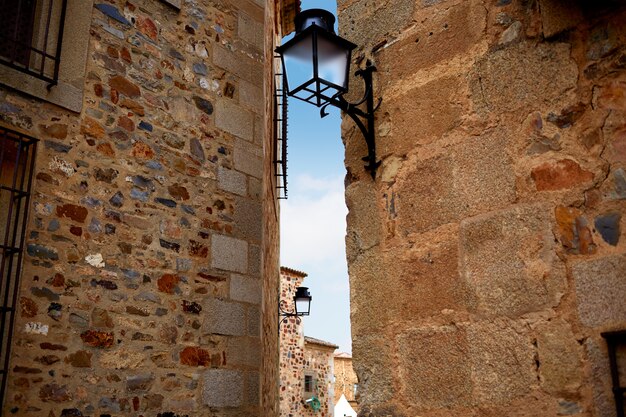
(31, 35)
(17, 160)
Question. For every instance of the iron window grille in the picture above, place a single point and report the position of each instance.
(17, 162)
(614, 341)
(280, 133)
(31, 36)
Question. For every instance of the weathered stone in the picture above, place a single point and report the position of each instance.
(231, 181)
(168, 283)
(80, 359)
(234, 119)
(563, 174)
(203, 104)
(125, 86)
(139, 383)
(194, 356)
(229, 254)
(178, 192)
(222, 388)
(72, 211)
(598, 306)
(502, 359)
(113, 13)
(559, 358)
(44, 292)
(433, 370)
(97, 339)
(573, 232)
(28, 308)
(608, 226)
(42, 252)
(245, 289)
(544, 74)
(558, 16)
(223, 317)
(55, 393)
(526, 275)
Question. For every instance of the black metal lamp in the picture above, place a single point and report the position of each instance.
(301, 305)
(316, 68)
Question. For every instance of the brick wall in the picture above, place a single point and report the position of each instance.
(489, 254)
(152, 237)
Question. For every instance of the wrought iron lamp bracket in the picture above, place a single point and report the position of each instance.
(363, 119)
(284, 314)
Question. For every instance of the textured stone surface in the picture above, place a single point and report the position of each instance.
(125, 297)
(225, 318)
(229, 254)
(599, 287)
(222, 388)
(508, 260)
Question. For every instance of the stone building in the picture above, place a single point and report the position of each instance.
(142, 132)
(488, 255)
(346, 381)
(306, 363)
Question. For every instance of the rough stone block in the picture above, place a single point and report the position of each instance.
(598, 358)
(247, 215)
(502, 361)
(224, 318)
(374, 367)
(366, 26)
(244, 351)
(250, 31)
(559, 15)
(222, 388)
(362, 216)
(422, 115)
(460, 181)
(245, 289)
(426, 277)
(251, 96)
(229, 253)
(248, 162)
(238, 64)
(524, 77)
(252, 388)
(559, 356)
(508, 259)
(601, 290)
(434, 368)
(232, 181)
(437, 37)
(234, 119)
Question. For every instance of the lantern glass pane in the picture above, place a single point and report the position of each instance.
(302, 305)
(332, 62)
(298, 60)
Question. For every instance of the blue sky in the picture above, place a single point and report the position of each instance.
(313, 219)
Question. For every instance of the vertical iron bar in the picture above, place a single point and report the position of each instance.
(284, 136)
(7, 284)
(45, 42)
(59, 42)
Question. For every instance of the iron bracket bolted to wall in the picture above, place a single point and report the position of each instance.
(284, 314)
(363, 119)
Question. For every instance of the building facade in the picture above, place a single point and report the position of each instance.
(346, 381)
(306, 363)
(488, 256)
(142, 132)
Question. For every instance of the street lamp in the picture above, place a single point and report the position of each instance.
(316, 65)
(301, 305)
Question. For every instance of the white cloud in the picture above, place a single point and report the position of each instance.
(313, 223)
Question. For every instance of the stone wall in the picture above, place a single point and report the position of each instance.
(143, 283)
(319, 363)
(488, 255)
(291, 348)
(345, 379)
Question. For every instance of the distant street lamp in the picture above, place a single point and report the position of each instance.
(301, 305)
(316, 64)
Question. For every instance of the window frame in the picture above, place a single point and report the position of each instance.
(68, 91)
